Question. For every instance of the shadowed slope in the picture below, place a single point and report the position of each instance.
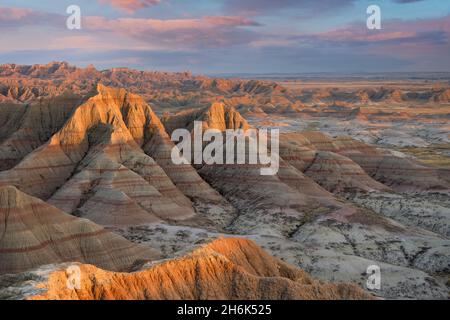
(224, 269)
(151, 135)
(315, 154)
(26, 127)
(95, 152)
(217, 116)
(399, 173)
(33, 233)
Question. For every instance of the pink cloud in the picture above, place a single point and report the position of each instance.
(14, 13)
(391, 30)
(205, 31)
(130, 25)
(351, 35)
(264, 7)
(415, 40)
(13, 17)
(174, 34)
(130, 6)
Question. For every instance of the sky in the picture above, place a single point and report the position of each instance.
(230, 36)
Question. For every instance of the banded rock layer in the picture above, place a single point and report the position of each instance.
(224, 269)
(108, 159)
(34, 233)
(97, 153)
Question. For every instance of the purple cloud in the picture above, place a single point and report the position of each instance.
(226, 42)
(393, 30)
(130, 6)
(209, 31)
(407, 1)
(17, 17)
(261, 7)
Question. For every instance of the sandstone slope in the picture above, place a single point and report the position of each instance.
(224, 269)
(34, 233)
(95, 154)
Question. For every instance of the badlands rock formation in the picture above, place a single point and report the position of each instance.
(397, 172)
(292, 205)
(24, 128)
(33, 233)
(223, 269)
(85, 151)
(217, 116)
(314, 154)
(94, 154)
